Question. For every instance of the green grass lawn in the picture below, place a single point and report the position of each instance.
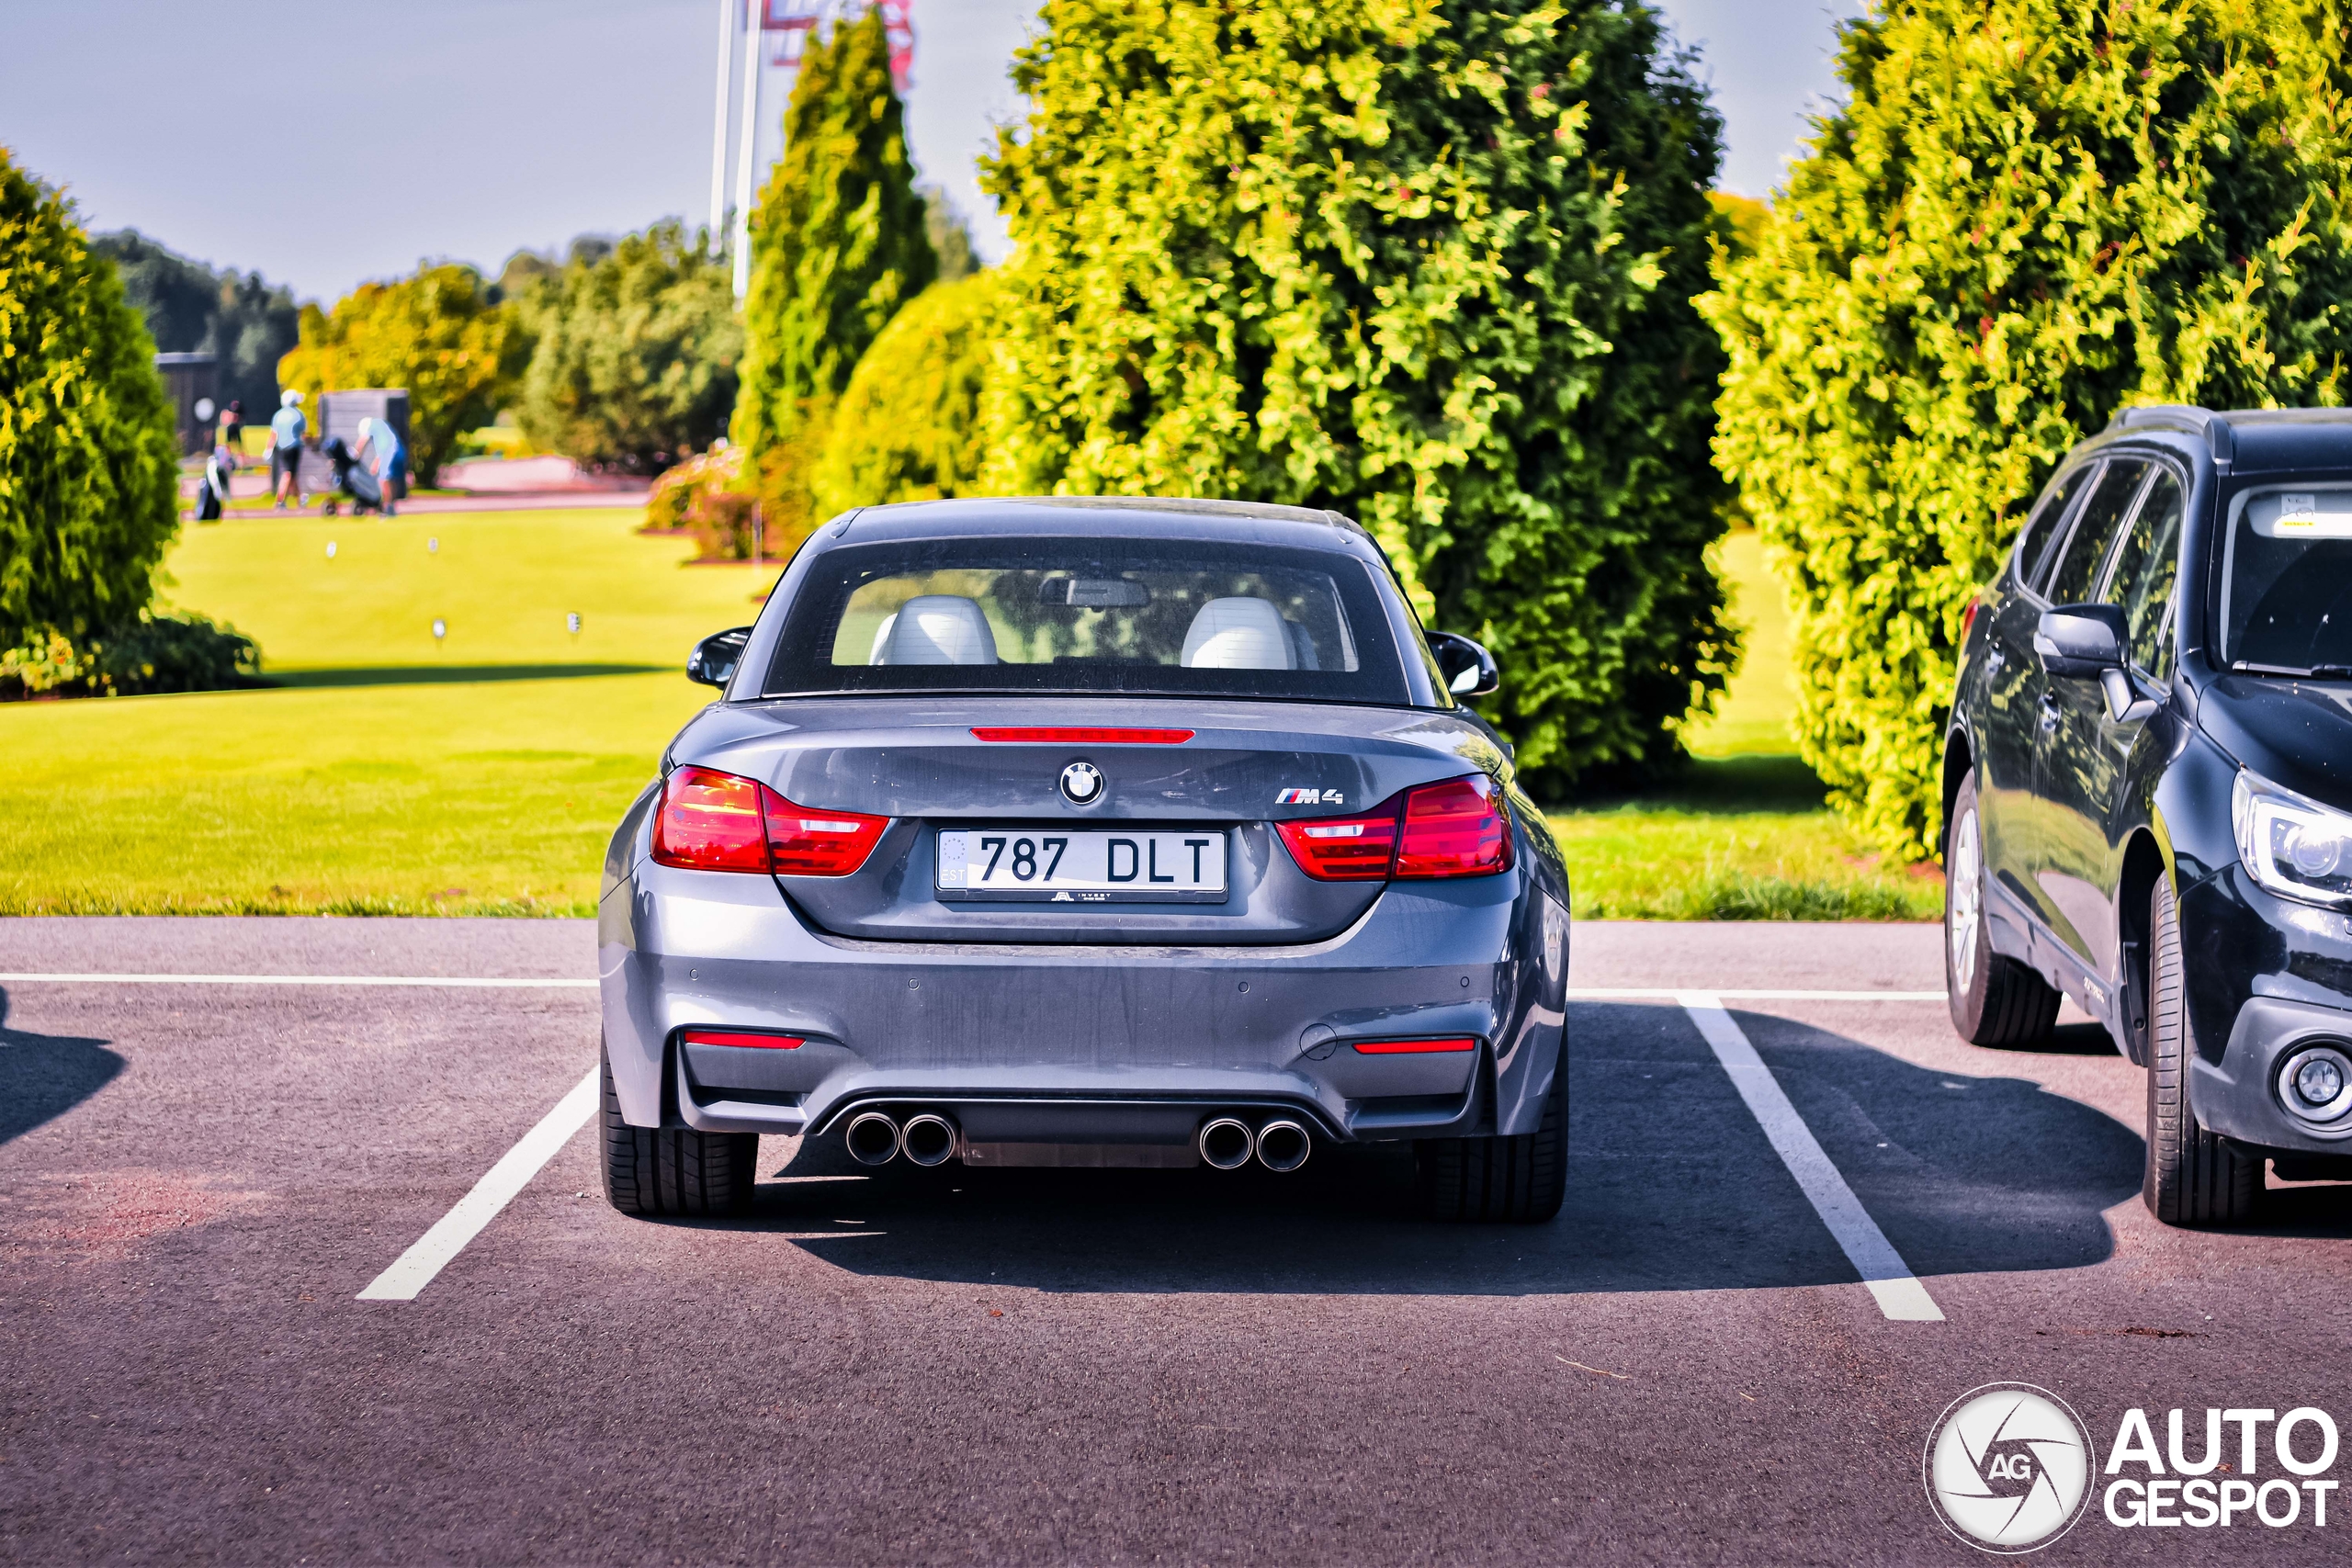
(390, 775)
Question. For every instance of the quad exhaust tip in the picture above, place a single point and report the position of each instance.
(1283, 1144)
(874, 1138)
(928, 1139)
(1228, 1143)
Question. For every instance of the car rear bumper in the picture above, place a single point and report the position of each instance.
(1082, 1044)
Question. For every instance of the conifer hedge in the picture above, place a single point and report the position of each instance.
(2029, 213)
(909, 426)
(88, 453)
(1426, 262)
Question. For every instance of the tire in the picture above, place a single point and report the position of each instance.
(1994, 999)
(657, 1171)
(2194, 1178)
(1518, 1179)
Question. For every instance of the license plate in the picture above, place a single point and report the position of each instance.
(1049, 866)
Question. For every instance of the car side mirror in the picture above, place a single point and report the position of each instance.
(713, 661)
(2078, 642)
(1469, 668)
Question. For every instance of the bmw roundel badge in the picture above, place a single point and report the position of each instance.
(1082, 784)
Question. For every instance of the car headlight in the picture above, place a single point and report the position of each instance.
(2293, 847)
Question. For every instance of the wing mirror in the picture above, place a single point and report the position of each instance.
(2085, 642)
(2080, 640)
(713, 661)
(1468, 668)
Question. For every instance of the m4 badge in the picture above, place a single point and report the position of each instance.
(1310, 797)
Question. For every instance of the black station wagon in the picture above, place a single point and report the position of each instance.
(2148, 789)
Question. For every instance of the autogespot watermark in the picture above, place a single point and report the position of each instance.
(2011, 1468)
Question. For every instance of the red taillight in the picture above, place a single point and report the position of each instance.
(1081, 736)
(742, 1038)
(714, 821)
(1968, 615)
(809, 842)
(711, 821)
(1412, 1047)
(1344, 849)
(1455, 828)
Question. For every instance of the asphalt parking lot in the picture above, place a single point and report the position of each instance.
(199, 1178)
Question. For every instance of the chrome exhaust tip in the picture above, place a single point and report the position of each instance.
(928, 1139)
(1227, 1143)
(1283, 1144)
(873, 1138)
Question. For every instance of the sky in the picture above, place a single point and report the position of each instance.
(324, 145)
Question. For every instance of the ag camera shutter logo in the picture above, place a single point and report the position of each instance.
(2008, 1468)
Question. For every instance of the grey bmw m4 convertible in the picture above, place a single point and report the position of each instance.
(1086, 833)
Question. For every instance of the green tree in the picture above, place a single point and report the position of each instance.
(1426, 262)
(2029, 213)
(437, 334)
(909, 426)
(636, 354)
(88, 457)
(246, 323)
(837, 240)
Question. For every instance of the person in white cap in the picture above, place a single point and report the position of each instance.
(382, 443)
(287, 428)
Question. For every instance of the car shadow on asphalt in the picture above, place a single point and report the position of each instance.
(1672, 1186)
(42, 1077)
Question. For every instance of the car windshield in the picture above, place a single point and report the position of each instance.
(1079, 616)
(2286, 598)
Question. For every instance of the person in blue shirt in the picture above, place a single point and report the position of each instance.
(287, 428)
(381, 445)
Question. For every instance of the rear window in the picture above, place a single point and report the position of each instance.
(2287, 578)
(1088, 616)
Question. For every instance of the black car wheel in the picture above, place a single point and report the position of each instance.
(1520, 1179)
(2194, 1177)
(654, 1171)
(1994, 999)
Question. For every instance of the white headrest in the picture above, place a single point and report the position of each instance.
(939, 628)
(1239, 634)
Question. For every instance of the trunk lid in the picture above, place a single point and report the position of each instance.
(1245, 766)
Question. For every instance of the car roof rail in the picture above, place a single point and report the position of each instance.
(2219, 437)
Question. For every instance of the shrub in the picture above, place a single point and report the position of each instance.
(837, 240)
(673, 493)
(909, 427)
(636, 354)
(437, 334)
(88, 455)
(1429, 264)
(2027, 215)
(153, 654)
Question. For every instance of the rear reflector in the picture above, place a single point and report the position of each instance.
(744, 1038)
(1455, 829)
(1081, 736)
(714, 821)
(1412, 1047)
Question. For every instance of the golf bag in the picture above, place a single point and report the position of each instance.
(351, 480)
(212, 492)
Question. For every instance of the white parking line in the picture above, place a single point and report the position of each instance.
(1898, 1291)
(414, 1269)
(462, 982)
